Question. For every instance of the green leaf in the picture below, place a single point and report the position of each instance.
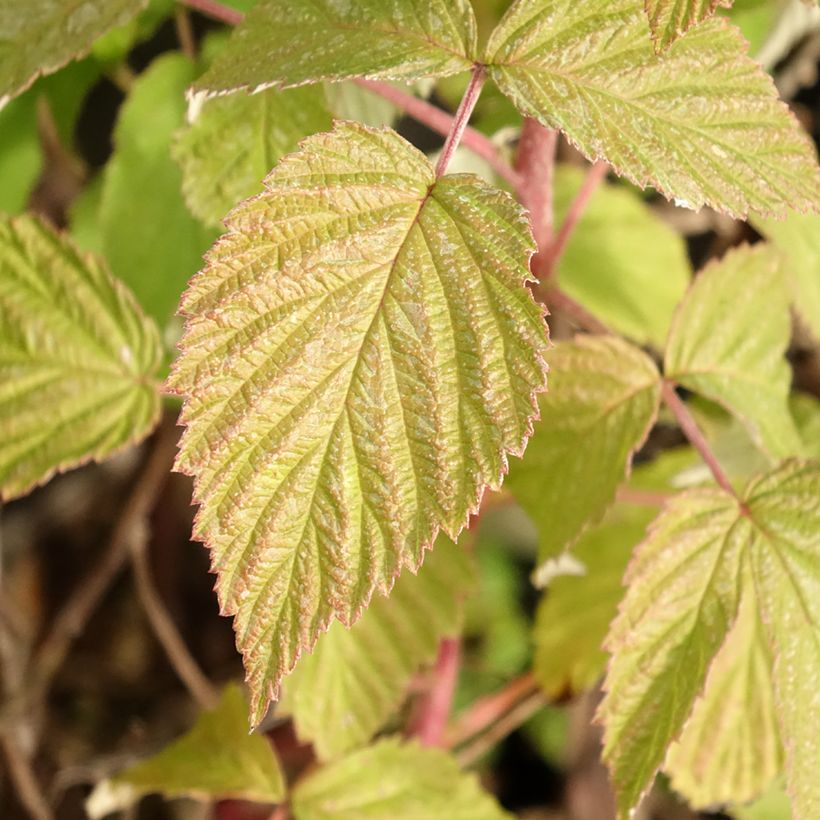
(797, 238)
(685, 587)
(77, 359)
(360, 357)
(393, 781)
(702, 122)
(730, 750)
(639, 269)
(669, 19)
(349, 101)
(43, 35)
(347, 689)
(149, 237)
(215, 760)
(235, 141)
(21, 159)
(728, 341)
(574, 614)
(303, 41)
(602, 402)
(774, 805)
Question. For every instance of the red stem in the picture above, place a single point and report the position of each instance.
(465, 111)
(535, 165)
(217, 11)
(558, 299)
(693, 433)
(435, 710)
(547, 261)
(442, 123)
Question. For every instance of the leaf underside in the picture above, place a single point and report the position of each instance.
(669, 19)
(361, 354)
(302, 41)
(215, 760)
(685, 588)
(602, 402)
(728, 342)
(40, 36)
(77, 359)
(392, 780)
(701, 122)
(354, 679)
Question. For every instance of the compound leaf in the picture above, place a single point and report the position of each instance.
(797, 238)
(669, 19)
(303, 41)
(730, 750)
(77, 358)
(236, 140)
(574, 614)
(40, 36)
(216, 760)
(638, 271)
(150, 238)
(728, 342)
(354, 679)
(685, 587)
(602, 402)
(702, 122)
(392, 780)
(360, 357)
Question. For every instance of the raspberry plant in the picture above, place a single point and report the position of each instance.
(365, 356)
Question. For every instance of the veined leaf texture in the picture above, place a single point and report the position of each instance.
(360, 358)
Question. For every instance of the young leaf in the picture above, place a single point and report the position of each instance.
(602, 402)
(728, 341)
(303, 41)
(575, 612)
(149, 237)
(40, 37)
(360, 357)
(354, 679)
(638, 271)
(730, 750)
(216, 760)
(702, 122)
(669, 19)
(797, 238)
(684, 590)
(235, 141)
(77, 359)
(393, 781)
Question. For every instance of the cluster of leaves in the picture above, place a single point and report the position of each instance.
(362, 355)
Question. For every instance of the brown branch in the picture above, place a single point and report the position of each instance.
(693, 433)
(25, 781)
(185, 32)
(71, 620)
(215, 10)
(164, 628)
(435, 709)
(642, 498)
(575, 310)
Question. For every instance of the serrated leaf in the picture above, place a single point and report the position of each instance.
(574, 614)
(602, 402)
(346, 689)
(639, 269)
(77, 359)
(684, 591)
(215, 760)
(797, 238)
(702, 122)
(730, 750)
(669, 19)
(235, 141)
(303, 41)
(149, 237)
(393, 781)
(40, 36)
(360, 357)
(728, 341)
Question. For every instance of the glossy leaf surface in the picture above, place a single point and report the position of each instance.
(360, 357)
